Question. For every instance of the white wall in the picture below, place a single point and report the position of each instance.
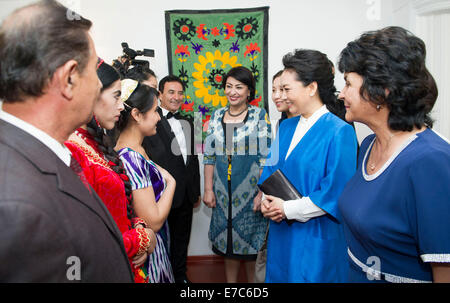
(325, 25)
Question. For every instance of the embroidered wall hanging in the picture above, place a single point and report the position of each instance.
(203, 45)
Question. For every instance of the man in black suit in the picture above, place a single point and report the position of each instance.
(53, 227)
(173, 148)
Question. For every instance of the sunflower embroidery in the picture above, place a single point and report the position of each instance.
(206, 89)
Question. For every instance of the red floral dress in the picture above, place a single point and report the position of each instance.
(111, 189)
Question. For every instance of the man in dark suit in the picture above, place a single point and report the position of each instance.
(53, 227)
(173, 148)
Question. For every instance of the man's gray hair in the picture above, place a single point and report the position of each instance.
(36, 40)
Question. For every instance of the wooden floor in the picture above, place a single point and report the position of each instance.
(210, 269)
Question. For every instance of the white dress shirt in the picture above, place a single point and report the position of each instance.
(59, 149)
(303, 209)
(177, 129)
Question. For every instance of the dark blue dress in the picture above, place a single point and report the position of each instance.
(398, 219)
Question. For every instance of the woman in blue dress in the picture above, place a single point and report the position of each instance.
(317, 153)
(236, 146)
(396, 208)
(153, 187)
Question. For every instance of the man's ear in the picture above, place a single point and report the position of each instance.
(66, 77)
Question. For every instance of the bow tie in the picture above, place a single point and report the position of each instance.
(177, 115)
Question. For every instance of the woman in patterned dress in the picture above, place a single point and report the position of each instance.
(237, 143)
(153, 187)
(104, 171)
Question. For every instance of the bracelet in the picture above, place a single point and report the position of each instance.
(144, 241)
(136, 221)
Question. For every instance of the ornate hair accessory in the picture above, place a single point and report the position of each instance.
(128, 87)
(99, 62)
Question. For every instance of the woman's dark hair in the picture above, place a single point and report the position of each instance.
(142, 98)
(140, 73)
(393, 59)
(108, 75)
(34, 42)
(313, 66)
(106, 146)
(243, 75)
(278, 74)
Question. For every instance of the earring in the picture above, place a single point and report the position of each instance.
(96, 122)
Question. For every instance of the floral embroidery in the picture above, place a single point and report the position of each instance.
(215, 32)
(183, 75)
(252, 49)
(187, 106)
(256, 101)
(211, 95)
(182, 52)
(203, 109)
(255, 71)
(235, 47)
(228, 31)
(197, 47)
(205, 45)
(184, 29)
(215, 77)
(247, 28)
(216, 43)
(202, 32)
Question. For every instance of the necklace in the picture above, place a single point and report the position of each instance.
(373, 165)
(236, 115)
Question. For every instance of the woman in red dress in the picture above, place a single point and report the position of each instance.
(105, 173)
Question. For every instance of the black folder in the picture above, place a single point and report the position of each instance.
(279, 186)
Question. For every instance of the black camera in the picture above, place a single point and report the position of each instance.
(129, 58)
(131, 53)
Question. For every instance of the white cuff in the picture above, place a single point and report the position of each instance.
(436, 258)
(302, 210)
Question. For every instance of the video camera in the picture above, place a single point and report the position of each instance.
(129, 55)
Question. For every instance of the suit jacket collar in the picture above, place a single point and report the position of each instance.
(59, 149)
(49, 163)
(160, 112)
(169, 137)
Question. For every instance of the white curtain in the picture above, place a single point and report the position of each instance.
(433, 26)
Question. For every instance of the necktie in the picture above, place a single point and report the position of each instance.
(177, 115)
(75, 166)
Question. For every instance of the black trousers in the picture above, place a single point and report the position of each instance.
(180, 223)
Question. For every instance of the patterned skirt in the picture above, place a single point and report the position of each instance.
(158, 263)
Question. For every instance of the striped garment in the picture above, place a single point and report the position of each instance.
(143, 173)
